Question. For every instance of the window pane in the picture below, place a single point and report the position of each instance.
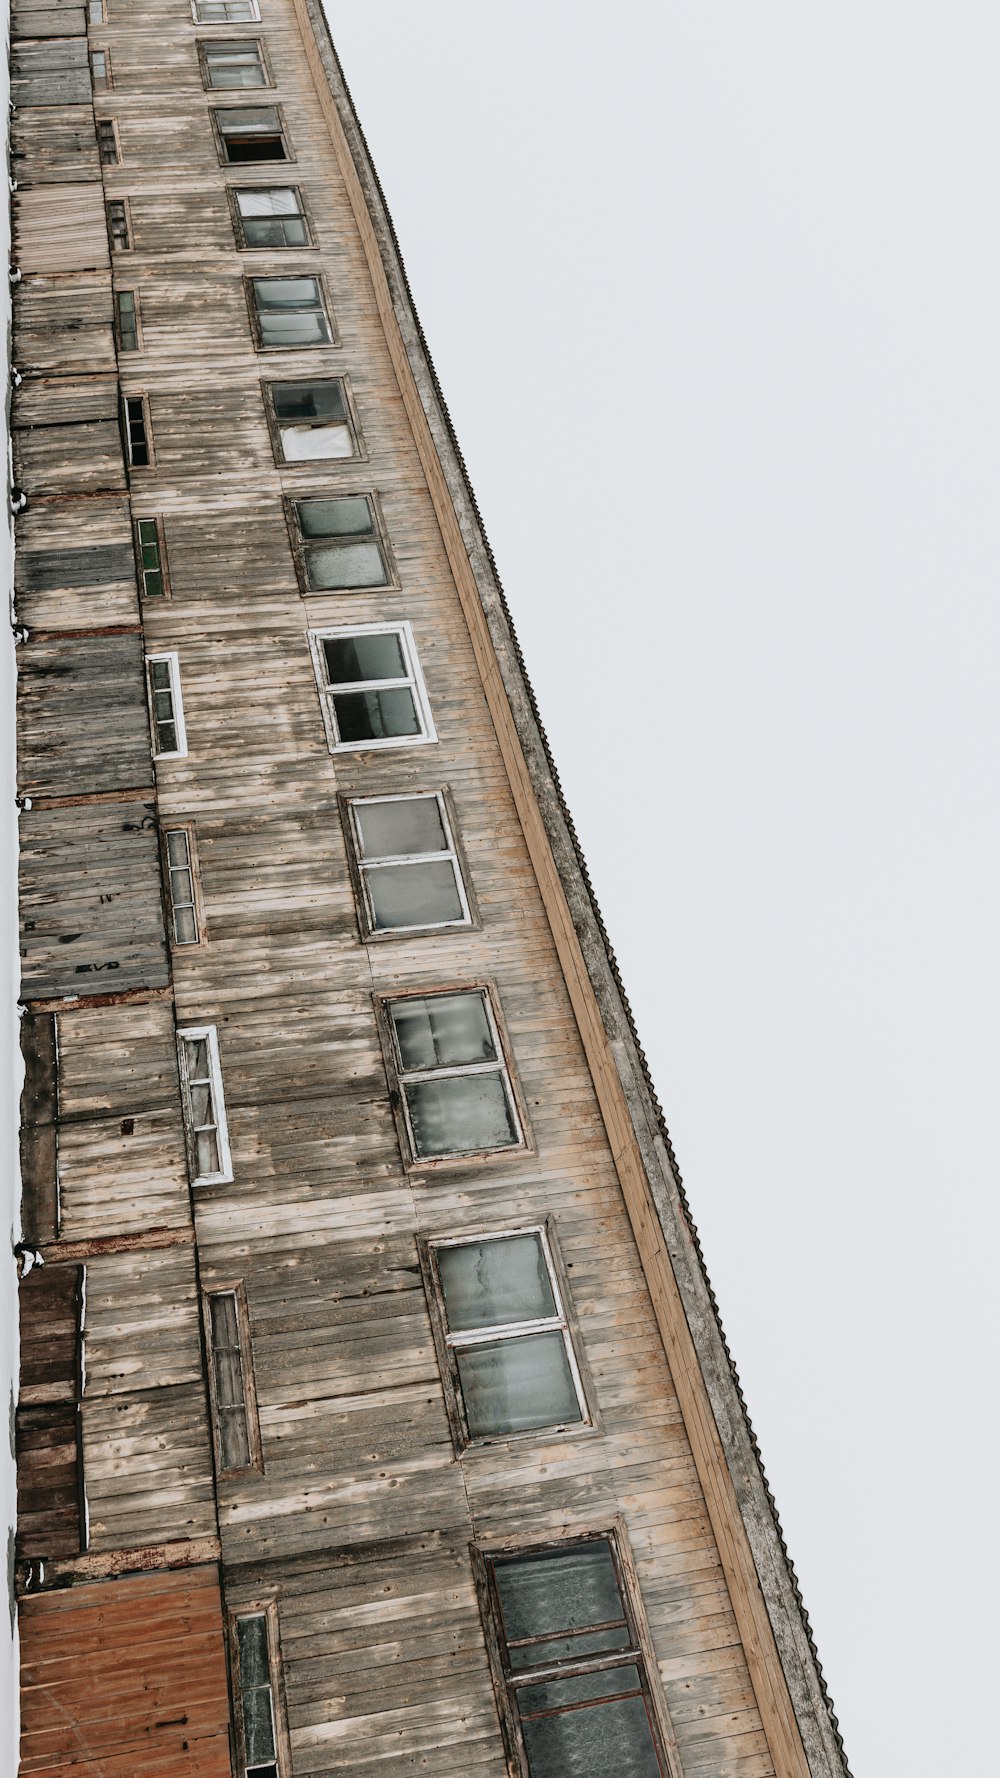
(166, 735)
(558, 1590)
(185, 926)
(225, 1326)
(513, 1385)
(335, 518)
(460, 1114)
(346, 565)
(286, 293)
(398, 829)
(297, 327)
(278, 200)
(228, 1378)
(234, 1439)
(350, 659)
(593, 1742)
(443, 1031)
(255, 1689)
(177, 847)
(488, 1283)
(159, 675)
(375, 715)
(555, 1694)
(197, 1058)
(300, 444)
(255, 1667)
(414, 895)
(206, 1154)
(275, 231)
(310, 401)
(249, 119)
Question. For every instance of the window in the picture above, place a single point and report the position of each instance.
(311, 420)
(271, 216)
(136, 429)
(502, 1334)
(204, 1107)
(225, 12)
(569, 1652)
(151, 557)
(260, 1725)
(407, 865)
(96, 13)
(339, 543)
(455, 1096)
(118, 225)
(371, 688)
(126, 321)
(289, 312)
(166, 706)
(100, 69)
(233, 64)
(252, 133)
(107, 142)
(178, 852)
(237, 1435)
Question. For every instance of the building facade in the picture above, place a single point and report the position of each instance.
(375, 1416)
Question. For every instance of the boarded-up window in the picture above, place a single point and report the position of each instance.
(51, 1519)
(233, 1398)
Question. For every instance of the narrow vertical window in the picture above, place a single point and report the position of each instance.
(372, 689)
(96, 13)
(100, 70)
(229, 65)
(118, 225)
(151, 558)
(290, 312)
(166, 706)
(407, 862)
(312, 420)
(127, 320)
(256, 1676)
(271, 217)
(237, 1438)
(455, 1090)
(107, 142)
(204, 1105)
(180, 884)
(340, 543)
(136, 429)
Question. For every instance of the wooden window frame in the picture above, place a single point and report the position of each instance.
(359, 871)
(206, 45)
(123, 204)
(266, 1608)
(216, 112)
(172, 658)
(97, 12)
(105, 84)
(233, 191)
(397, 1076)
(640, 1652)
(147, 518)
(448, 1344)
(414, 680)
(258, 275)
(134, 294)
(108, 123)
(168, 827)
(237, 1289)
(300, 544)
(360, 453)
(254, 18)
(209, 1034)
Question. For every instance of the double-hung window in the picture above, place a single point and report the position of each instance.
(251, 133)
(166, 706)
(289, 312)
(255, 1658)
(204, 1106)
(312, 420)
(179, 857)
(233, 1399)
(503, 1336)
(340, 544)
(230, 64)
(407, 864)
(271, 216)
(454, 1088)
(371, 688)
(569, 1655)
(225, 12)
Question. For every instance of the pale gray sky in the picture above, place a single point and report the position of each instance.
(713, 291)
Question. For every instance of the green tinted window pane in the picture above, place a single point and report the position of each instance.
(336, 518)
(375, 715)
(353, 659)
(515, 1385)
(150, 555)
(400, 828)
(443, 1031)
(593, 1742)
(460, 1114)
(334, 566)
(159, 675)
(558, 1590)
(234, 1438)
(488, 1283)
(555, 1694)
(414, 895)
(147, 531)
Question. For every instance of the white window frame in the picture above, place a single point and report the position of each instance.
(209, 1035)
(414, 680)
(174, 667)
(364, 867)
(250, 18)
(501, 1066)
(508, 1330)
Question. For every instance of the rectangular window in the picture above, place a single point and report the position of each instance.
(127, 320)
(252, 133)
(152, 559)
(233, 64)
(371, 688)
(107, 142)
(289, 312)
(178, 853)
(236, 1431)
(340, 545)
(270, 216)
(96, 13)
(311, 420)
(455, 1094)
(569, 1656)
(118, 225)
(135, 426)
(100, 70)
(407, 863)
(225, 12)
(166, 706)
(504, 1341)
(256, 1663)
(204, 1107)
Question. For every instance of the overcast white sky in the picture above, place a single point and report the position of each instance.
(714, 293)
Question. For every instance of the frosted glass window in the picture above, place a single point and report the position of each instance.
(373, 693)
(272, 217)
(341, 543)
(290, 312)
(456, 1091)
(409, 869)
(313, 420)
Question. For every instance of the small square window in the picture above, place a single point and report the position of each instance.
(251, 133)
(311, 421)
(407, 864)
(455, 1095)
(166, 706)
(135, 428)
(100, 70)
(230, 65)
(119, 230)
(127, 320)
(108, 145)
(289, 312)
(270, 216)
(339, 543)
(151, 558)
(180, 871)
(225, 12)
(371, 688)
(204, 1106)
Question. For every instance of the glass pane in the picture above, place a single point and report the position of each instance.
(593, 1742)
(163, 706)
(335, 565)
(182, 887)
(151, 555)
(299, 327)
(166, 737)
(278, 200)
(206, 1154)
(255, 1667)
(309, 401)
(555, 1694)
(177, 847)
(558, 1590)
(513, 1385)
(275, 231)
(354, 659)
(375, 715)
(159, 675)
(487, 1283)
(400, 828)
(414, 895)
(443, 1031)
(197, 1058)
(234, 1439)
(248, 118)
(225, 1326)
(223, 75)
(228, 1378)
(301, 444)
(460, 1114)
(286, 293)
(569, 1648)
(335, 518)
(201, 1106)
(185, 926)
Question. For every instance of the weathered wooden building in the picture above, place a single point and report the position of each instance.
(375, 1416)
